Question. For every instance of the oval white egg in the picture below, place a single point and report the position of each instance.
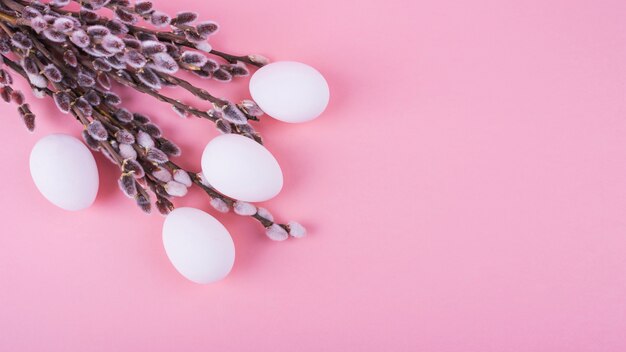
(290, 91)
(241, 168)
(198, 245)
(64, 171)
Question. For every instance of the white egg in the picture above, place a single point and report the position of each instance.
(198, 245)
(64, 171)
(290, 91)
(241, 168)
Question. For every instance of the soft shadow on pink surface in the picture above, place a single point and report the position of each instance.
(464, 191)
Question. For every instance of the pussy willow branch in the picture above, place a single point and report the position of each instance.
(196, 180)
(161, 97)
(46, 53)
(198, 92)
(164, 35)
(183, 41)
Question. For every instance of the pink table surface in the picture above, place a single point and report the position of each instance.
(464, 191)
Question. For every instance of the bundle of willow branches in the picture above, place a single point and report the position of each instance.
(70, 53)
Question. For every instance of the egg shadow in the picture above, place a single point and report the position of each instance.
(108, 174)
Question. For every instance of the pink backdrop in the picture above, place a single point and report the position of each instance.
(465, 191)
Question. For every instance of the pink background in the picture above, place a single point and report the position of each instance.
(465, 191)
